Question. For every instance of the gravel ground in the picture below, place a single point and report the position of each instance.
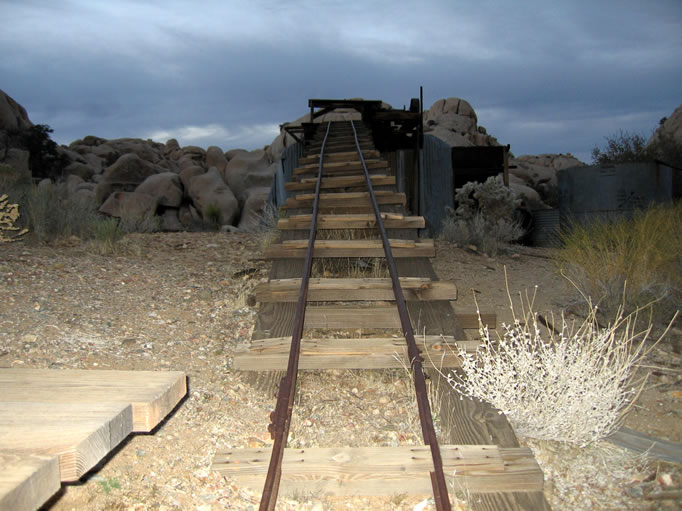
(178, 302)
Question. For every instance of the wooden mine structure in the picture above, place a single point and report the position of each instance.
(342, 182)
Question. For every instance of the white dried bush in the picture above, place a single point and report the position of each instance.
(574, 387)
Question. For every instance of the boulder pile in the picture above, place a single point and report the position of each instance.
(190, 186)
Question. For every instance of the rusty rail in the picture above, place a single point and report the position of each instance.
(440, 491)
(281, 417)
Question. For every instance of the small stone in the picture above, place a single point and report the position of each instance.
(29, 338)
(376, 411)
(665, 480)
(383, 400)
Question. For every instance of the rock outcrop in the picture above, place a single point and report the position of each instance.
(211, 196)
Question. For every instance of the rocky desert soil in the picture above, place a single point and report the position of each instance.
(179, 302)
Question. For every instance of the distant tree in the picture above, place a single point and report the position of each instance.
(623, 147)
(626, 147)
(44, 160)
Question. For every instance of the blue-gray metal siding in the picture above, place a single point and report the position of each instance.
(435, 182)
(283, 174)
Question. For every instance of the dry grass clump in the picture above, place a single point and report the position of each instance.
(574, 387)
(350, 267)
(645, 252)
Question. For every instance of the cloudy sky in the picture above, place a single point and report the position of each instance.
(542, 75)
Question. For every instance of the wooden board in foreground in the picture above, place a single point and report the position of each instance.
(152, 394)
(367, 317)
(27, 481)
(350, 248)
(80, 434)
(331, 290)
(339, 182)
(352, 221)
(375, 471)
(368, 353)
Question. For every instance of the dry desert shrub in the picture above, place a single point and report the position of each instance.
(572, 387)
(631, 261)
(484, 217)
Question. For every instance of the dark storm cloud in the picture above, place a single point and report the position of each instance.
(542, 76)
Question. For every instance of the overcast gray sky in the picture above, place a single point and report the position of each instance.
(543, 76)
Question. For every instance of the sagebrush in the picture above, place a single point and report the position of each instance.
(484, 217)
(572, 387)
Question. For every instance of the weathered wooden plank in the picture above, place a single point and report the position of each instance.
(153, 394)
(340, 156)
(339, 182)
(367, 353)
(379, 317)
(352, 221)
(27, 481)
(641, 443)
(367, 289)
(385, 470)
(339, 167)
(81, 434)
(345, 199)
(351, 248)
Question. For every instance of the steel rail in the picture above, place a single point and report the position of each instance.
(281, 417)
(440, 491)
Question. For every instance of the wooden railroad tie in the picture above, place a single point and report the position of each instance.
(347, 199)
(339, 182)
(376, 471)
(352, 221)
(350, 248)
(379, 316)
(340, 156)
(366, 353)
(362, 289)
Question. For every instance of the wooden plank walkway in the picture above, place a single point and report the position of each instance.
(58, 424)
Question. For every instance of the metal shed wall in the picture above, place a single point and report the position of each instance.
(436, 185)
(612, 191)
(285, 170)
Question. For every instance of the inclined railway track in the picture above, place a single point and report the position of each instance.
(281, 417)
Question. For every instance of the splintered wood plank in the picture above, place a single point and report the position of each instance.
(350, 221)
(340, 156)
(330, 290)
(339, 182)
(375, 471)
(378, 317)
(350, 248)
(368, 353)
(346, 199)
(27, 481)
(81, 434)
(153, 394)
